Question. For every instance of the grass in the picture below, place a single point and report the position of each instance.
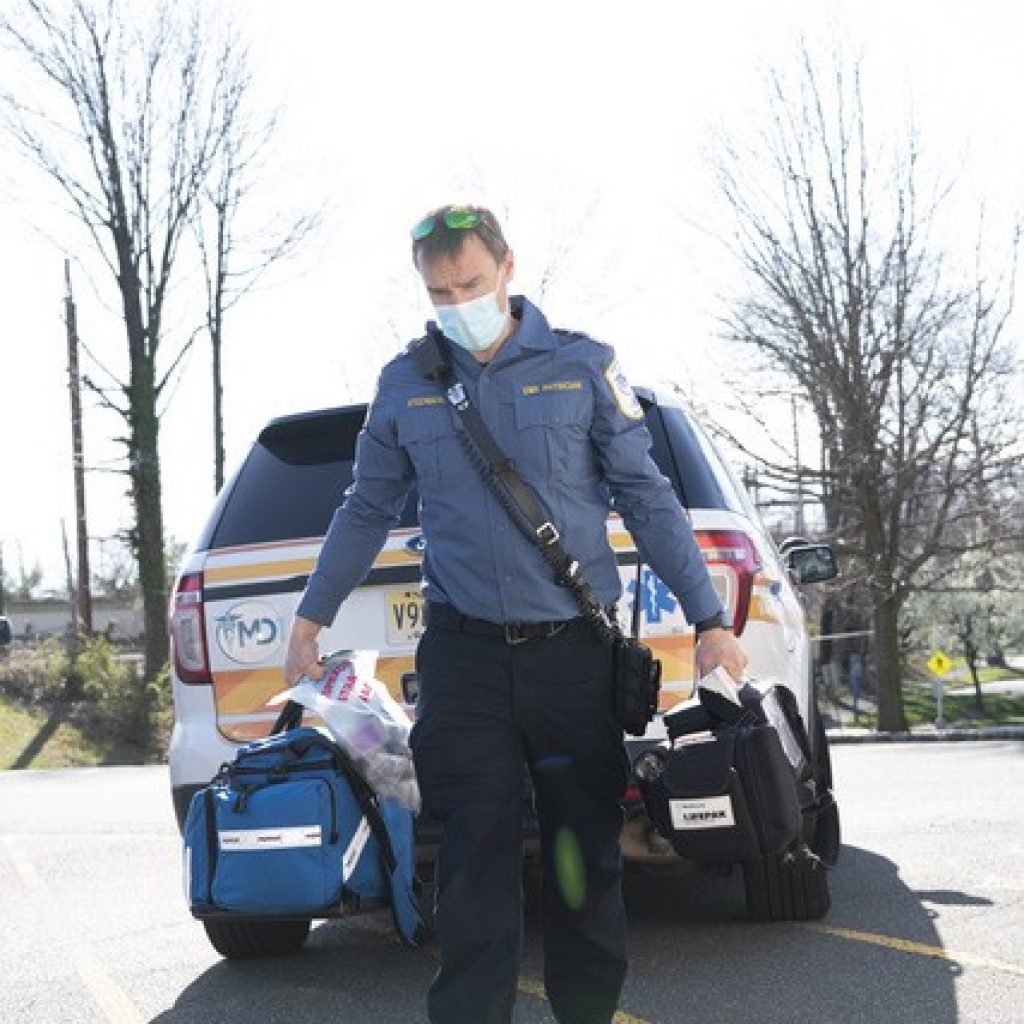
(959, 708)
(45, 738)
(59, 736)
(58, 713)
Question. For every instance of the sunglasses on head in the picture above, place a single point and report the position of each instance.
(458, 218)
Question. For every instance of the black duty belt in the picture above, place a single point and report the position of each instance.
(445, 617)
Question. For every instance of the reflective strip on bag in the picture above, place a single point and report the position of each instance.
(249, 839)
(355, 849)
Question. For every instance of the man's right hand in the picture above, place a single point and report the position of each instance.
(303, 658)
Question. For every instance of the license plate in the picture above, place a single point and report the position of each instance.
(405, 617)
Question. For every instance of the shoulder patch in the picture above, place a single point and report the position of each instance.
(623, 393)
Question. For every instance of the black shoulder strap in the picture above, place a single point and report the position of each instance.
(368, 804)
(289, 719)
(522, 503)
(430, 355)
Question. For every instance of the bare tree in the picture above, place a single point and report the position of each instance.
(23, 585)
(235, 258)
(133, 109)
(849, 295)
(118, 572)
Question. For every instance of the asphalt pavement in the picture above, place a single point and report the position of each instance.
(927, 921)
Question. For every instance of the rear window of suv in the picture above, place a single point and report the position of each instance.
(296, 474)
(686, 456)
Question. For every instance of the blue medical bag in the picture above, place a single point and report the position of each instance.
(290, 828)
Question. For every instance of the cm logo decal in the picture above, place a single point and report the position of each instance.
(249, 632)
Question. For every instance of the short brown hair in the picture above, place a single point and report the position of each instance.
(442, 240)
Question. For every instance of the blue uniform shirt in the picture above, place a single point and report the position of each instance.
(559, 407)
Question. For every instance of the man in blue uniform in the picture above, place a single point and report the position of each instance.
(510, 673)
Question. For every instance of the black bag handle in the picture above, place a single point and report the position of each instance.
(726, 712)
(289, 718)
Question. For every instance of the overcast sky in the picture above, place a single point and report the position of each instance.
(579, 122)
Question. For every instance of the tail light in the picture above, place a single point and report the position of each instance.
(732, 561)
(188, 631)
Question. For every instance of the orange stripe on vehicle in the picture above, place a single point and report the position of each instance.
(271, 545)
(245, 732)
(233, 676)
(233, 573)
(391, 670)
(398, 556)
(294, 567)
(677, 665)
(246, 691)
(763, 611)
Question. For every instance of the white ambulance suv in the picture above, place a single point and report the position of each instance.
(234, 602)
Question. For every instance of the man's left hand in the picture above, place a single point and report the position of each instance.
(720, 647)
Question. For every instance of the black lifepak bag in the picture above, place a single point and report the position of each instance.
(734, 778)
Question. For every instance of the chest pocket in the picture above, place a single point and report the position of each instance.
(428, 436)
(554, 434)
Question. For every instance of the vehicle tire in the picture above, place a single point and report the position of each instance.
(244, 940)
(822, 757)
(789, 886)
(823, 833)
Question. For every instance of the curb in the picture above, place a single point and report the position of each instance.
(926, 734)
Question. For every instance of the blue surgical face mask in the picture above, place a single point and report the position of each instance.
(473, 325)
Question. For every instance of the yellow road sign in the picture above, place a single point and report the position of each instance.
(940, 663)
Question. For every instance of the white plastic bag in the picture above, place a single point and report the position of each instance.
(365, 720)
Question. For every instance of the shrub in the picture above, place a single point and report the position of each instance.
(101, 688)
(40, 675)
(107, 683)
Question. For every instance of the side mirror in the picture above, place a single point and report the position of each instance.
(812, 563)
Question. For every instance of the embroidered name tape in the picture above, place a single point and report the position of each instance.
(554, 385)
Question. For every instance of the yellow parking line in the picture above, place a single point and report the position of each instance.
(109, 996)
(920, 949)
(534, 988)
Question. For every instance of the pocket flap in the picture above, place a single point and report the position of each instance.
(701, 769)
(424, 424)
(552, 408)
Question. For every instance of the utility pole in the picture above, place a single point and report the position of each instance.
(799, 519)
(83, 617)
(72, 637)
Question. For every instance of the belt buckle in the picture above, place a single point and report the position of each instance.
(513, 634)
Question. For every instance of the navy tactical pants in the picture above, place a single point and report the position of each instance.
(485, 709)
